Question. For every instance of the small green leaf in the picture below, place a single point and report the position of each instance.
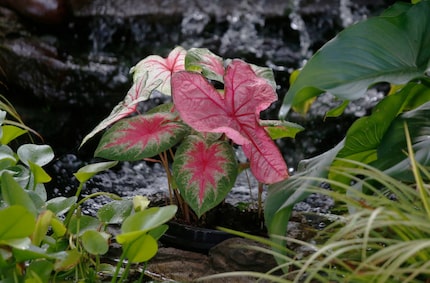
(79, 224)
(58, 227)
(7, 157)
(42, 226)
(87, 172)
(11, 132)
(14, 194)
(95, 242)
(40, 175)
(29, 253)
(336, 112)
(68, 260)
(281, 129)
(60, 205)
(142, 249)
(39, 154)
(143, 221)
(16, 222)
(115, 212)
(39, 270)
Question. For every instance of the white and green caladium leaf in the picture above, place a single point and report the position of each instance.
(391, 48)
(141, 137)
(152, 73)
(202, 60)
(204, 172)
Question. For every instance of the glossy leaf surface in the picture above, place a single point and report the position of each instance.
(390, 48)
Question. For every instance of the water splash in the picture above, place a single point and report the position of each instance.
(297, 23)
(242, 34)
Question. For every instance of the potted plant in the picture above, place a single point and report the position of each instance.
(215, 109)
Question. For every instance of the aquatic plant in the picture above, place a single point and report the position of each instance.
(45, 240)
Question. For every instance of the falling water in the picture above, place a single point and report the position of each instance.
(297, 23)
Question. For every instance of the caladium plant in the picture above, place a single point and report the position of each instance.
(202, 126)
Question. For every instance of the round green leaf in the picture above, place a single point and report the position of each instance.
(60, 205)
(142, 249)
(95, 242)
(115, 212)
(39, 154)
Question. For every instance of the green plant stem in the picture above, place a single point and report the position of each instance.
(418, 179)
(126, 271)
(118, 267)
(260, 201)
(172, 191)
(165, 164)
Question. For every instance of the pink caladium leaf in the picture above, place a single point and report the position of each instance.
(235, 113)
(204, 171)
(141, 137)
(152, 73)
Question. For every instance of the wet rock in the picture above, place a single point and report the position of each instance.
(231, 255)
(41, 11)
(235, 255)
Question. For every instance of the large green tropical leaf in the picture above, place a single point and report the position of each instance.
(392, 156)
(391, 48)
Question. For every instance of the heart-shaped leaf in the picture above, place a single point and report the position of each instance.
(141, 249)
(152, 73)
(235, 113)
(391, 48)
(205, 172)
(162, 69)
(140, 137)
(38, 154)
(95, 242)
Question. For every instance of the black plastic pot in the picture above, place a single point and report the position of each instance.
(193, 238)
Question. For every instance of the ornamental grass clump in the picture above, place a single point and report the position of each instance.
(215, 108)
(383, 234)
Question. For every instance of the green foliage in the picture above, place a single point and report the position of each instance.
(395, 51)
(384, 237)
(50, 240)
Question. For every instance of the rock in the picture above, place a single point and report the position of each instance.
(51, 12)
(230, 255)
(235, 255)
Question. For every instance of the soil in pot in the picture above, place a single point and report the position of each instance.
(201, 235)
